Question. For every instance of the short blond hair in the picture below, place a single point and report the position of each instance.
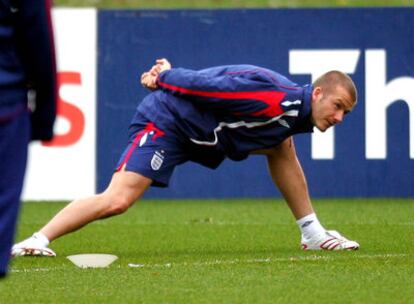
(332, 79)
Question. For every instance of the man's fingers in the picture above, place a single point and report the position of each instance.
(155, 70)
(145, 74)
(164, 64)
(149, 78)
(144, 78)
(149, 81)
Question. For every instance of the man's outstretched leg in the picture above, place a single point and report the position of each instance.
(125, 188)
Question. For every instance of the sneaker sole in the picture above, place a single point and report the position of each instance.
(352, 248)
(33, 252)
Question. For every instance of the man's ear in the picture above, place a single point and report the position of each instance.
(317, 92)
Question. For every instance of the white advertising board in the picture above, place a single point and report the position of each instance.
(65, 169)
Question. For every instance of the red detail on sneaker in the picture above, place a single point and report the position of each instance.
(336, 245)
(37, 252)
(352, 248)
(304, 247)
(324, 243)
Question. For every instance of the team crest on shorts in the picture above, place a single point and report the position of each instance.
(157, 160)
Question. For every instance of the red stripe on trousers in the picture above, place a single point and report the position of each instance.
(148, 128)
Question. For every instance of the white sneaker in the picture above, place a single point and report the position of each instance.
(32, 246)
(330, 240)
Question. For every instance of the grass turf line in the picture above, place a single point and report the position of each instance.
(224, 251)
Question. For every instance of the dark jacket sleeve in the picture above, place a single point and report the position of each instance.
(35, 38)
(233, 88)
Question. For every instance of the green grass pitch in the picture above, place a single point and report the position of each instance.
(235, 251)
(222, 251)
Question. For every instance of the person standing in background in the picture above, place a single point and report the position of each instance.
(28, 94)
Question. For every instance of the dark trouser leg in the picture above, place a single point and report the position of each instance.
(14, 138)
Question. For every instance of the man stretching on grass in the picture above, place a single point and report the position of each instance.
(206, 116)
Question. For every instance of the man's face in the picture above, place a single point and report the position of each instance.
(329, 108)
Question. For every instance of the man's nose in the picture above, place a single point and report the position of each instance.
(339, 116)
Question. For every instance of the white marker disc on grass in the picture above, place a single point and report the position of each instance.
(92, 260)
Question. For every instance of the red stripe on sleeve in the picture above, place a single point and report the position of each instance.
(271, 98)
